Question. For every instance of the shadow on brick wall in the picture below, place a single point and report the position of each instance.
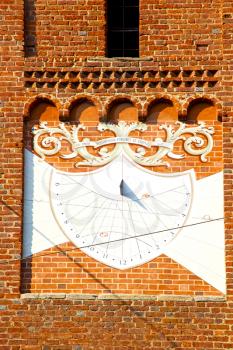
(30, 41)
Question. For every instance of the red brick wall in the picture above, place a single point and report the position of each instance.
(190, 36)
(11, 96)
(76, 28)
(174, 30)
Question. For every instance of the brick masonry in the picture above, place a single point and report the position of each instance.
(182, 41)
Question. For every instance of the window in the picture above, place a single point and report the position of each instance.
(123, 28)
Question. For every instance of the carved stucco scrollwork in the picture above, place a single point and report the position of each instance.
(197, 141)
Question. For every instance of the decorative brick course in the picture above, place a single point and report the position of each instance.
(97, 80)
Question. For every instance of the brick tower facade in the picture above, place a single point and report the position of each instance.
(56, 69)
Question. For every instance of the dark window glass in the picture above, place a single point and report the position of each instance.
(131, 3)
(132, 15)
(123, 28)
(131, 40)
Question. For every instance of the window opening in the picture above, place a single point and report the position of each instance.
(123, 28)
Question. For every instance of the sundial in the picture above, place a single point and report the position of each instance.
(122, 214)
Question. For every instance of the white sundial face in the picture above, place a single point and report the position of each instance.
(122, 215)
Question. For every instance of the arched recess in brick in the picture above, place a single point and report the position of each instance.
(83, 110)
(161, 110)
(40, 109)
(44, 110)
(122, 108)
(201, 109)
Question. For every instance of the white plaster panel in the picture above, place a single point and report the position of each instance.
(199, 248)
(41, 230)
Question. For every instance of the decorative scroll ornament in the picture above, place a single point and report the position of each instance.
(198, 141)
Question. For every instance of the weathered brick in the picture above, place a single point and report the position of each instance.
(186, 52)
